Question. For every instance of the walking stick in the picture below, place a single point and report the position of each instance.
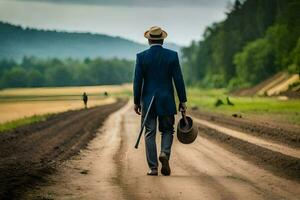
(143, 124)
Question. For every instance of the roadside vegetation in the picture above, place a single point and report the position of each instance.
(7, 126)
(264, 108)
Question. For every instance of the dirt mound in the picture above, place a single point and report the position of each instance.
(265, 84)
(29, 153)
(274, 85)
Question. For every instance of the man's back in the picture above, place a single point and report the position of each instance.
(155, 70)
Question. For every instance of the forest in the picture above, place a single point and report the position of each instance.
(36, 72)
(257, 39)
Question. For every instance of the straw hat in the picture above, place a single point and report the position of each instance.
(155, 33)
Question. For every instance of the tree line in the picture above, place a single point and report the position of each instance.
(36, 72)
(257, 39)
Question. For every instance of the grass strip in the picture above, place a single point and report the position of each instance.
(10, 125)
(256, 107)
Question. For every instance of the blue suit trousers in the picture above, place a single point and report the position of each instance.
(166, 127)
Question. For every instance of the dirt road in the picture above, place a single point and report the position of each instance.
(110, 168)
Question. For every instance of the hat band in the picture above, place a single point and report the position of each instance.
(156, 36)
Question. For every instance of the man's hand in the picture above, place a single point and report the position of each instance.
(182, 107)
(137, 109)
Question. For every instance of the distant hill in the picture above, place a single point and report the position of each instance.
(17, 42)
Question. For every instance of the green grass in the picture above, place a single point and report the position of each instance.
(255, 107)
(123, 94)
(21, 122)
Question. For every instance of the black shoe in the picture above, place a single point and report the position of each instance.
(152, 172)
(165, 169)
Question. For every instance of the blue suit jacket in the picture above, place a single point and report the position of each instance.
(155, 70)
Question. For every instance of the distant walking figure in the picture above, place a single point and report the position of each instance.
(85, 99)
(155, 71)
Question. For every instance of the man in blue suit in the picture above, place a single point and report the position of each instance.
(155, 71)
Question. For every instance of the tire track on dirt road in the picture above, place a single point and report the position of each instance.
(262, 155)
(293, 152)
(203, 170)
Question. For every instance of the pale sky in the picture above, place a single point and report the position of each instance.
(184, 20)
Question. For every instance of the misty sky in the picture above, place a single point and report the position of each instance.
(184, 20)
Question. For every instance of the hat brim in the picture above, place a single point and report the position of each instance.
(163, 35)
